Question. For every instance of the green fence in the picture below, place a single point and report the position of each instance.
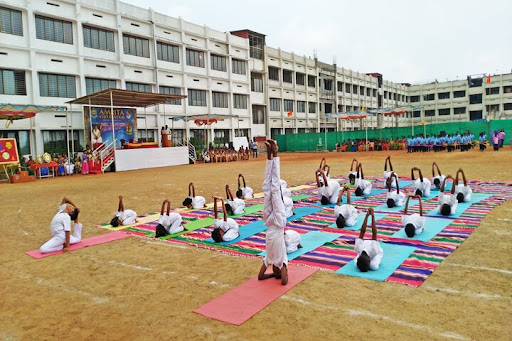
(318, 141)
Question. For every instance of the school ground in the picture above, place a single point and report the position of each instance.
(138, 288)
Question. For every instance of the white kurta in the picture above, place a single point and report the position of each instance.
(348, 212)
(441, 179)
(237, 205)
(230, 228)
(386, 177)
(274, 216)
(247, 192)
(61, 223)
(399, 198)
(331, 191)
(365, 185)
(372, 249)
(416, 220)
(288, 206)
(198, 202)
(291, 240)
(424, 186)
(284, 190)
(127, 217)
(465, 190)
(449, 199)
(172, 222)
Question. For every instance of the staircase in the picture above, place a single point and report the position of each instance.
(191, 153)
(105, 154)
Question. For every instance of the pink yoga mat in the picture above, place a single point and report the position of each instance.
(243, 302)
(104, 238)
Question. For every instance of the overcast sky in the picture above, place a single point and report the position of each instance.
(405, 40)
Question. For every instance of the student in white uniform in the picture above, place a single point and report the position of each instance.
(234, 206)
(288, 206)
(369, 252)
(274, 219)
(438, 179)
(363, 187)
(123, 217)
(353, 172)
(292, 241)
(244, 192)
(326, 168)
(415, 222)
(168, 223)
(387, 175)
(225, 229)
(61, 228)
(193, 201)
(346, 214)
(447, 202)
(328, 189)
(421, 186)
(394, 197)
(284, 188)
(463, 191)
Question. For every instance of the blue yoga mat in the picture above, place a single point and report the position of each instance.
(353, 198)
(373, 192)
(360, 221)
(394, 255)
(258, 226)
(461, 207)
(310, 241)
(385, 208)
(432, 227)
(404, 183)
(447, 187)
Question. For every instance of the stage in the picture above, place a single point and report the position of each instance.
(131, 159)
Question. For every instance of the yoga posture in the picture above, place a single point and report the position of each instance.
(284, 188)
(61, 228)
(421, 186)
(292, 241)
(394, 198)
(123, 217)
(363, 187)
(415, 222)
(369, 252)
(328, 189)
(168, 223)
(325, 167)
(353, 172)
(447, 202)
(463, 191)
(193, 201)
(438, 179)
(346, 214)
(225, 229)
(390, 181)
(244, 192)
(274, 219)
(234, 206)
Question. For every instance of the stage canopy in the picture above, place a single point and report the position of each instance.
(125, 98)
(355, 115)
(395, 110)
(11, 112)
(203, 117)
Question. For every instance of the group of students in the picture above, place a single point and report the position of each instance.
(358, 145)
(226, 154)
(449, 142)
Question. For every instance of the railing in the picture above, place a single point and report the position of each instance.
(104, 153)
(192, 153)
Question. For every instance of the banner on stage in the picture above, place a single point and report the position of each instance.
(8, 151)
(100, 119)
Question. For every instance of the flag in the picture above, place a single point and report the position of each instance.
(362, 108)
(290, 113)
(488, 81)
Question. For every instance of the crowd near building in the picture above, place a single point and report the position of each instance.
(57, 50)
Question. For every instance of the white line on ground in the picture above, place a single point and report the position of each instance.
(504, 219)
(167, 244)
(464, 293)
(358, 312)
(507, 272)
(132, 266)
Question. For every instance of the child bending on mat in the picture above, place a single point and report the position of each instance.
(363, 187)
(369, 252)
(394, 198)
(292, 241)
(168, 223)
(415, 222)
(463, 191)
(325, 167)
(438, 179)
(346, 214)
(123, 217)
(421, 186)
(390, 182)
(328, 189)
(353, 172)
(193, 201)
(61, 228)
(225, 229)
(447, 202)
(274, 219)
(244, 192)
(234, 206)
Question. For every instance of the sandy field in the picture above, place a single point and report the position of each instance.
(139, 289)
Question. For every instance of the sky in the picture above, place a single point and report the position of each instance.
(406, 41)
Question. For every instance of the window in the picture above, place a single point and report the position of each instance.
(327, 108)
(258, 114)
(475, 99)
(492, 108)
(459, 94)
(428, 97)
(55, 141)
(311, 81)
(459, 110)
(275, 104)
(273, 73)
(443, 95)
(220, 99)
(443, 112)
(93, 85)
(167, 52)
(22, 139)
(492, 91)
(239, 101)
(51, 85)
(135, 46)
(287, 105)
(99, 39)
(139, 87)
(56, 30)
(256, 83)
(218, 62)
(368, 92)
(348, 87)
(430, 112)
(195, 58)
(146, 135)
(507, 89)
(239, 66)
(416, 113)
(475, 82)
(197, 98)
(475, 115)
(170, 90)
(374, 93)
(311, 107)
(12, 82)
(301, 106)
(415, 99)
(507, 106)
(300, 78)
(339, 86)
(361, 90)
(354, 89)
(256, 44)
(287, 76)
(10, 21)
(327, 84)
(221, 136)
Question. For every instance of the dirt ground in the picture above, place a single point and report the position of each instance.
(141, 289)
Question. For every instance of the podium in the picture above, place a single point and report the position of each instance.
(21, 176)
(166, 140)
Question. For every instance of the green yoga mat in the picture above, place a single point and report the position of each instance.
(300, 197)
(192, 226)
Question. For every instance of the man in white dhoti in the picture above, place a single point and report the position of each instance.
(61, 228)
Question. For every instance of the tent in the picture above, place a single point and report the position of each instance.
(353, 115)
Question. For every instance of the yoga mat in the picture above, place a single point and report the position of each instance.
(360, 221)
(310, 241)
(447, 187)
(394, 255)
(373, 192)
(192, 226)
(140, 220)
(461, 207)
(404, 183)
(104, 238)
(432, 227)
(243, 302)
(300, 197)
(385, 208)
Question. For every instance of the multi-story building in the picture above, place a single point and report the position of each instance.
(57, 50)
